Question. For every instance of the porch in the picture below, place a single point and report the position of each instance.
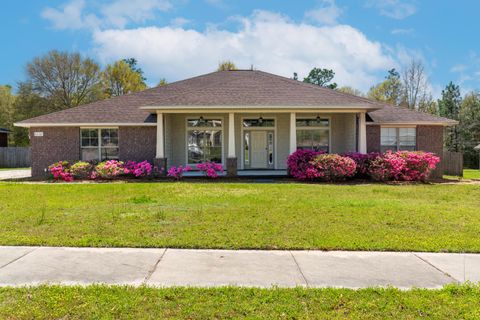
(254, 143)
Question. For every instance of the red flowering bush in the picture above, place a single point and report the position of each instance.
(60, 171)
(332, 167)
(177, 172)
(299, 166)
(363, 161)
(403, 165)
(138, 169)
(210, 169)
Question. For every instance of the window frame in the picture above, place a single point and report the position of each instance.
(398, 147)
(205, 128)
(329, 128)
(100, 146)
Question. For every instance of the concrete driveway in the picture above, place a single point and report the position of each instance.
(204, 268)
(15, 174)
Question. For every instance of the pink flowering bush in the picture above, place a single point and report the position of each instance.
(363, 161)
(138, 169)
(210, 169)
(109, 169)
(403, 166)
(81, 170)
(332, 167)
(299, 166)
(60, 171)
(177, 172)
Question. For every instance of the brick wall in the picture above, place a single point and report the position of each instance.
(57, 143)
(137, 143)
(430, 138)
(373, 138)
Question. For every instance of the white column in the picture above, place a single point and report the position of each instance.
(231, 135)
(160, 136)
(362, 133)
(293, 132)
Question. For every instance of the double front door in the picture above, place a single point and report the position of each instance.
(259, 149)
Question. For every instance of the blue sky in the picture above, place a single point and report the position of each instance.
(175, 39)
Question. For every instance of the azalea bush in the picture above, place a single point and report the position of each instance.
(109, 169)
(210, 169)
(363, 161)
(177, 172)
(81, 170)
(138, 169)
(60, 171)
(332, 167)
(403, 166)
(299, 164)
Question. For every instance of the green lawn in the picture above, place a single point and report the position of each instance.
(102, 302)
(243, 215)
(471, 174)
(5, 169)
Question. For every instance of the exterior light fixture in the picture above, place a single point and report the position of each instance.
(260, 120)
(318, 118)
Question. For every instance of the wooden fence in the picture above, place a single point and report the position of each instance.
(15, 157)
(452, 163)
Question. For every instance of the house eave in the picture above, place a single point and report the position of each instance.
(413, 123)
(84, 124)
(260, 108)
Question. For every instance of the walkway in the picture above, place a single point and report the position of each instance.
(15, 174)
(176, 267)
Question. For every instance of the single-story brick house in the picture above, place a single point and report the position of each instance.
(247, 120)
(4, 137)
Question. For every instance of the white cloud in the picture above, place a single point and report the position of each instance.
(458, 68)
(271, 42)
(396, 9)
(402, 31)
(118, 13)
(327, 13)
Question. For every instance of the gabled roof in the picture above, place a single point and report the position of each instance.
(242, 89)
(400, 115)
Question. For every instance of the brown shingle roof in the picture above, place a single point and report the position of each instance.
(392, 114)
(222, 89)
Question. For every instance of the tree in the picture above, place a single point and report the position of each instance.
(389, 90)
(162, 82)
(132, 62)
(414, 85)
(226, 65)
(28, 104)
(351, 90)
(469, 128)
(321, 77)
(449, 107)
(428, 105)
(122, 78)
(7, 100)
(66, 79)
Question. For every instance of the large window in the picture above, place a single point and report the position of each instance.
(204, 140)
(313, 134)
(398, 139)
(99, 144)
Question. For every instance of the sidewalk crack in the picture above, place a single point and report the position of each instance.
(18, 258)
(436, 268)
(150, 272)
(299, 269)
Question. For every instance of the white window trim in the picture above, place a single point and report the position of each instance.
(242, 137)
(99, 147)
(222, 129)
(397, 130)
(329, 128)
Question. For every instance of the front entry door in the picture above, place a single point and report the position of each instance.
(259, 150)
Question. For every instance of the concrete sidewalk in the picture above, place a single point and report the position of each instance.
(15, 174)
(175, 267)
